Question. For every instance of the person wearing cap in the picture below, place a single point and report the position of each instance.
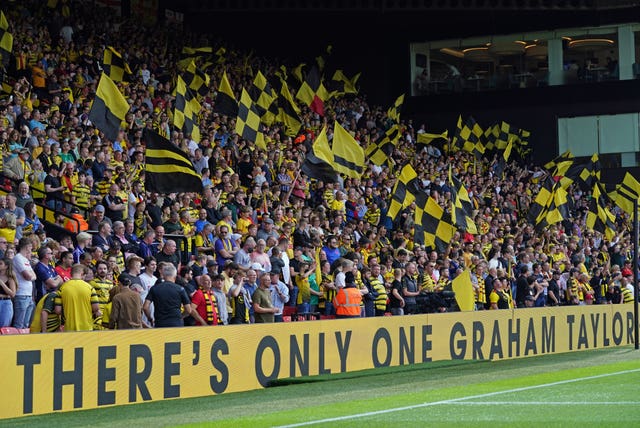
(97, 217)
(267, 229)
(18, 167)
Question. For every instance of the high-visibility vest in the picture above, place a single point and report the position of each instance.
(347, 302)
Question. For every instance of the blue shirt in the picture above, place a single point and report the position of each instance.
(43, 273)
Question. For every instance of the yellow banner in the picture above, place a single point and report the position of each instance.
(72, 371)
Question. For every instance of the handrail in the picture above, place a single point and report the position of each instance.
(46, 214)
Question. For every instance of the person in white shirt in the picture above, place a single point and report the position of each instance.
(23, 303)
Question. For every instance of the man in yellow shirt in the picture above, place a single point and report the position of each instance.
(79, 300)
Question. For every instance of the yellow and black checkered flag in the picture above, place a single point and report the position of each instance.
(404, 191)
(471, 136)
(462, 207)
(585, 174)
(559, 166)
(539, 204)
(6, 40)
(248, 122)
(264, 99)
(288, 111)
(394, 110)
(196, 80)
(505, 133)
(186, 110)
(468, 137)
(599, 217)
(115, 66)
(551, 206)
(431, 227)
(340, 84)
(379, 152)
(626, 193)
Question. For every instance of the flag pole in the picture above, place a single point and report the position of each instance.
(635, 271)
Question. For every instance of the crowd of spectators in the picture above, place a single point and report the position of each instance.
(262, 236)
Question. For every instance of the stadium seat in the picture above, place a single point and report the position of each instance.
(289, 311)
(24, 330)
(9, 330)
(286, 318)
(327, 317)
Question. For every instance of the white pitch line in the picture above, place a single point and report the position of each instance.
(454, 400)
(546, 403)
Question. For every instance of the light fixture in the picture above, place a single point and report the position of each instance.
(507, 48)
(535, 50)
(590, 43)
(452, 52)
(480, 54)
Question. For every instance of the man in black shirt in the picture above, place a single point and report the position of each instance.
(54, 188)
(168, 299)
(113, 204)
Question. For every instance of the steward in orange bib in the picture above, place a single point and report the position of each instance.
(348, 299)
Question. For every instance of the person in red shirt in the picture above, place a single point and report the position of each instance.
(64, 267)
(205, 302)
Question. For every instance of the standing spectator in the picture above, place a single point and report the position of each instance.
(226, 248)
(8, 283)
(126, 307)
(410, 289)
(259, 256)
(83, 239)
(279, 294)
(103, 239)
(45, 319)
(170, 301)
(243, 256)
(240, 300)
(103, 286)
(63, 269)
(205, 303)
(396, 301)
(54, 188)
(18, 167)
(98, 217)
(79, 301)
(348, 299)
(267, 230)
(47, 279)
(263, 306)
(145, 248)
(23, 301)
(113, 204)
(169, 254)
(221, 298)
